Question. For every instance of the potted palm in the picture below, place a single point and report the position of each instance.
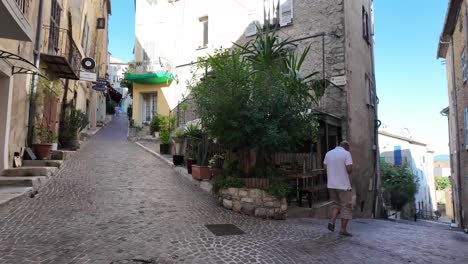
(73, 122)
(193, 133)
(201, 171)
(155, 126)
(178, 139)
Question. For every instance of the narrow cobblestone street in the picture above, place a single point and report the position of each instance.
(115, 203)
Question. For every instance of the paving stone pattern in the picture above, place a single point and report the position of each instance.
(115, 203)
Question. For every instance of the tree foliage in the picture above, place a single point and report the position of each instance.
(255, 98)
(400, 183)
(442, 183)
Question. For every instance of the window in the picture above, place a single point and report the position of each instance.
(84, 36)
(286, 12)
(101, 23)
(54, 35)
(365, 25)
(204, 22)
(150, 100)
(463, 63)
(466, 128)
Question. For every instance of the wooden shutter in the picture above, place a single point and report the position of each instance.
(286, 12)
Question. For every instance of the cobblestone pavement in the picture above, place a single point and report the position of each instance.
(114, 203)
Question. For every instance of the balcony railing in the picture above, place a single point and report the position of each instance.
(60, 53)
(146, 66)
(23, 5)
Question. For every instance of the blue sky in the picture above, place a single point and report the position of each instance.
(122, 29)
(411, 82)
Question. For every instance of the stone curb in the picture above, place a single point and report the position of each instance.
(204, 185)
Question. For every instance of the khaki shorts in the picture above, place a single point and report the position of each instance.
(343, 200)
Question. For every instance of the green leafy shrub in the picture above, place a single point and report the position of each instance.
(442, 183)
(73, 122)
(278, 187)
(193, 130)
(179, 133)
(154, 125)
(165, 136)
(265, 109)
(400, 183)
(227, 182)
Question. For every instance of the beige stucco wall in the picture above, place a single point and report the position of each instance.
(162, 105)
(14, 97)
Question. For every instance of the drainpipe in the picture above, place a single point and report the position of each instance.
(33, 90)
(457, 136)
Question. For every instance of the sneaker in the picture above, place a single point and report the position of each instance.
(331, 227)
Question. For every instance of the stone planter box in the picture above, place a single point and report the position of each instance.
(253, 202)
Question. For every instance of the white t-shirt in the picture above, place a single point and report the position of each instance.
(337, 175)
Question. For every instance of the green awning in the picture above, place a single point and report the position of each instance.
(150, 78)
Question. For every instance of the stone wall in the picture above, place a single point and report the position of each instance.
(254, 202)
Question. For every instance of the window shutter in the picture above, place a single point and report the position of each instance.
(466, 128)
(286, 12)
(251, 29)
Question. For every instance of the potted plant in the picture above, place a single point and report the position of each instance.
(193, 133)
(164, 138)
(43, 150)
(54, 139)
(178, 140)
(201, 171)
(155, 126)
(73, 122)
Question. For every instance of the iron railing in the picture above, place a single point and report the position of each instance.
(147, 66)
(23, 5)
(58, 42)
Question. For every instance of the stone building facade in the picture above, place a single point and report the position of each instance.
(453, 45)
(340, 34)
(69, 31)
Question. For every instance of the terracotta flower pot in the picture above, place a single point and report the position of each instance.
(43, 151)
(201, 172)
(190, 162)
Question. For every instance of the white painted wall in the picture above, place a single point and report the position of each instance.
(174, 32)
(421, 161)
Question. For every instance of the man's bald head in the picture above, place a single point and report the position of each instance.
(345, 144)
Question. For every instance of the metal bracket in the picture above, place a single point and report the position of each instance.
(21, 70)
(10, 56)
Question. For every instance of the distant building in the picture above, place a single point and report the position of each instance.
(397, 149)
(441, 169)
(117, 70)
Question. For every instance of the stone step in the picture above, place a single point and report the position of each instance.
(34, 181)
(9, 193)
(30, 171)
(62, 154)
(42, 163)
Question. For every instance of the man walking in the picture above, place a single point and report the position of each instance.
(339, 164)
